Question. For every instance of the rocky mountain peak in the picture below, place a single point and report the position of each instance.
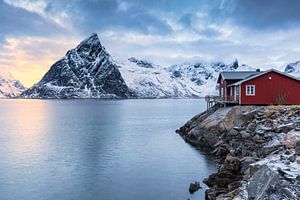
(293, 69)
(88, 49)
(93, 39)
(9, 87)
(85, 72)
(235, 64)
(290, 68)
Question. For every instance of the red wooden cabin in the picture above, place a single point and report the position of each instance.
(269, 87)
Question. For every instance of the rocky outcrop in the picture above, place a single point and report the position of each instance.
(252, 143)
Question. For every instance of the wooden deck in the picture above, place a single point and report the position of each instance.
(212, 100)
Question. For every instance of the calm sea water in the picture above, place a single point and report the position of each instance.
(91, 149)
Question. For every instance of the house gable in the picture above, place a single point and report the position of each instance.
(271, 87)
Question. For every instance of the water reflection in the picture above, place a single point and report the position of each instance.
(90, 149)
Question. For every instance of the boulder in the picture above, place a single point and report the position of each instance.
(290, 139)
(260, 183)
(194, 187)
(251, 127)
(233, 132)
(220, 179)
(232, 164)
(245, 134)
(258, 139)
(297, 148)
(298, 159)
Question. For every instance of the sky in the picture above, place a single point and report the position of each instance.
(261, 33)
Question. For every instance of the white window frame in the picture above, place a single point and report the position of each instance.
(222, 91)
(235, 92)
(251, 91)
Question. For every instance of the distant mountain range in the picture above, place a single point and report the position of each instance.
(194, 79)
(89, 71)
(9, 87)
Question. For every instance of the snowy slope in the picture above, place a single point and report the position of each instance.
(293, 69)
(186, 80)
(89, 71)
(85, 72)
(9, 87)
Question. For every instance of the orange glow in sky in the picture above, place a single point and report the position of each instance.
(28, 59)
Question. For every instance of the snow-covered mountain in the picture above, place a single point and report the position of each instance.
(293, 69)
(195, 79)
(89, 71)
(85, 72)
(9, 87)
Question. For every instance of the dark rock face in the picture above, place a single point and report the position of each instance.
(85, 72)
(141, 63)
(220, 66)
(261, 181)
(290, 68)
(297, 148)
(267, 184)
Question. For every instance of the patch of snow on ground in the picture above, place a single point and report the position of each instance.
(275, 162)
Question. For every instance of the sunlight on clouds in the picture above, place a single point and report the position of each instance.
(29, 58)
(60, 18)
(194, 35)
(33, 6)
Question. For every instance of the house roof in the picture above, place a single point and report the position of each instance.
(236, 75)
(262, 73)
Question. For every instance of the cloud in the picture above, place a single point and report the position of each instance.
(91, 16)
(19, 21)
(28, 58)
(258, 14)
(34, 34)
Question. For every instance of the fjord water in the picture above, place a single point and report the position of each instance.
(93, 149)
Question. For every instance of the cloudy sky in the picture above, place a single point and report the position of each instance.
(261, 33)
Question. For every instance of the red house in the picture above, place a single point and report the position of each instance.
(259, 87)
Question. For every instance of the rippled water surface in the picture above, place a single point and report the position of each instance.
(90, 149)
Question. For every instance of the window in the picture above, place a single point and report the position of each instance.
(250, 90)
(237, 89)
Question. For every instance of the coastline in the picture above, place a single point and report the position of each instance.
(256, 147)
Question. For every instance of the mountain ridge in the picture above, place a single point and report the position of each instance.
(84, 72)
(9, 87)
(89, 71)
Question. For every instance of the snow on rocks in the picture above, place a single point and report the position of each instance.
(193, 79)
(89, 71)
(293, 69)
(9, 87)
(84, 72)
(252, 142)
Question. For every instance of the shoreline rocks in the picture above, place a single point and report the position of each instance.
(251, 142)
